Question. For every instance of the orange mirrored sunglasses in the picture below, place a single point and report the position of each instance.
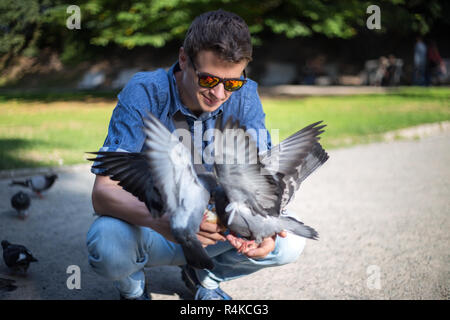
(209, 81)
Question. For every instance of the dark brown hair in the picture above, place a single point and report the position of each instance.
(222, 32)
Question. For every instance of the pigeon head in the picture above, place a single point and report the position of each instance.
(22, 196)
(5, 244)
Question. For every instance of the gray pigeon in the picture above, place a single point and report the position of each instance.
(21, 202)
(37, 183)
(16, 256)
(252, 195)
(164, 178)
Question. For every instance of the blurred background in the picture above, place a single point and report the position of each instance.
(308, 42)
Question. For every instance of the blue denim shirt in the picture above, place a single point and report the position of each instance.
(156, 92)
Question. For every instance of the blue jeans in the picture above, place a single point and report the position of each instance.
(119, 251)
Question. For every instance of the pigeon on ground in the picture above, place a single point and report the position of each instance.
(7, 284)
(37, 183)
(252, 196)
(21, 202)
(16, 256)
(165, 179)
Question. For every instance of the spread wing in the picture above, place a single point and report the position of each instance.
(294, 159)
(170, 164)
(182, 192)
(238, 170)
(132, 171)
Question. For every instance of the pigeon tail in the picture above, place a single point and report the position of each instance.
(20, 183)
(196, 256)
(32, 259)
(297, 227)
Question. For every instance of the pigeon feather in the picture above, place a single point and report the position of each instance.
(164, 178)
(276, 176)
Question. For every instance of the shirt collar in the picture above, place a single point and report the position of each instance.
(179, 106)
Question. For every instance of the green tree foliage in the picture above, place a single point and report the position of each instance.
(29, 24)
(19, 28)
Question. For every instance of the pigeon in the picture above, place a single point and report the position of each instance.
(21, 202)
(7, 284)
(37, 183)
(166, 180)
(16, 256)
(251, 197)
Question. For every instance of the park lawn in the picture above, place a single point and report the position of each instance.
(35, 133)
(357, 119)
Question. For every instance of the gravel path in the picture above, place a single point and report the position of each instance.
(382, 211)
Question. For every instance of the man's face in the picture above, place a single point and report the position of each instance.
(199, 99)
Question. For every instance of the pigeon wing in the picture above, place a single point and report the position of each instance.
(315, 158)
(294, 159)
(170, 164)
(132, 171)
(238, 170)
(287, 156)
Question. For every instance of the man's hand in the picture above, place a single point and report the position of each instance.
(251, 249)
(209, 233)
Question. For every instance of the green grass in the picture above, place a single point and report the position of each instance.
(33, 134)
(52, 129)
(358, 119)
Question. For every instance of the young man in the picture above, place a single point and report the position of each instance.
(208, 80)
